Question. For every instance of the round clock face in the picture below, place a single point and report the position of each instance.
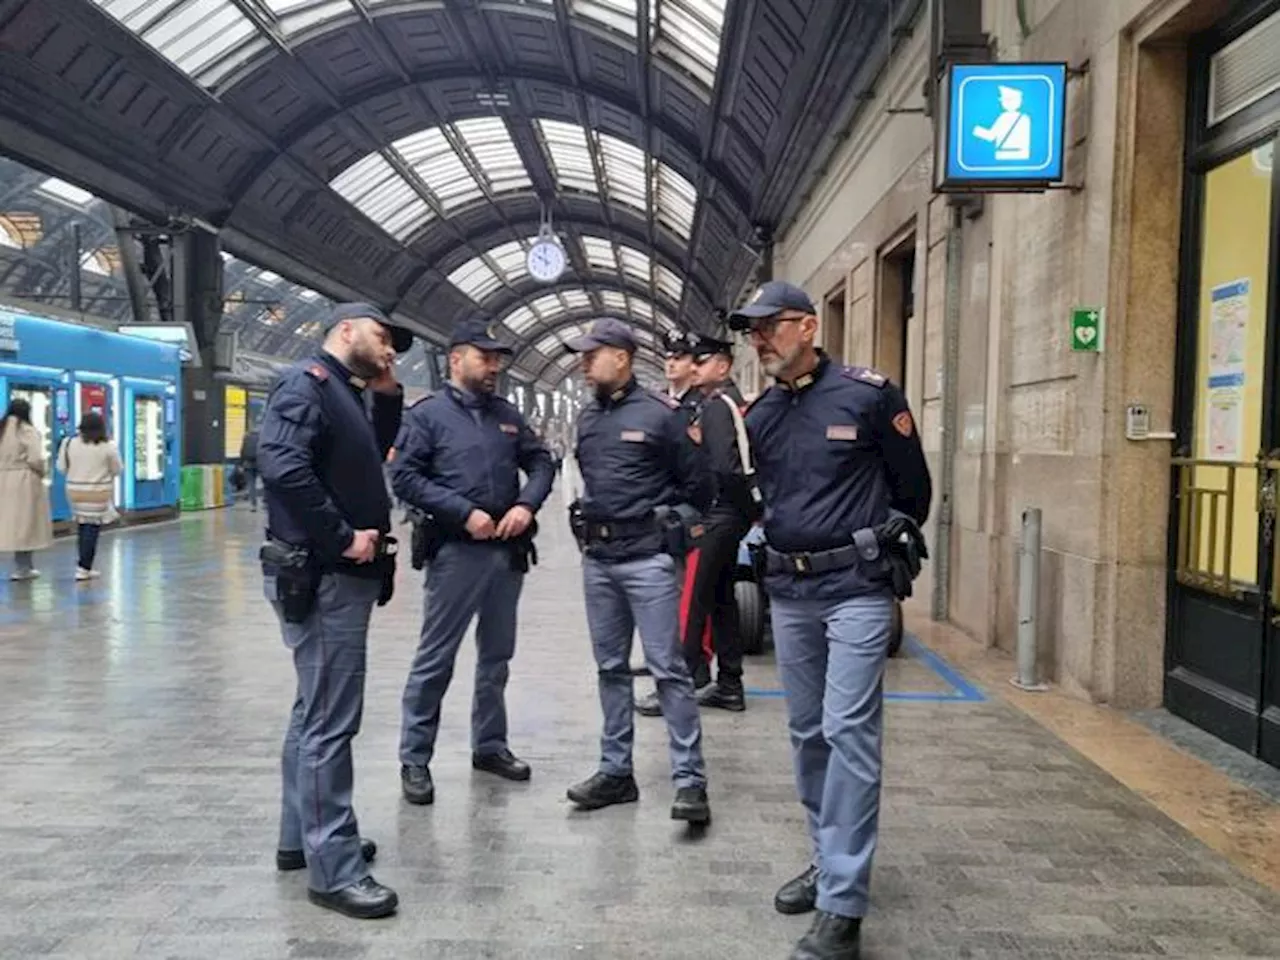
(546, 261)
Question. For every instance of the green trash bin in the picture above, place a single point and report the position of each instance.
(192, 488)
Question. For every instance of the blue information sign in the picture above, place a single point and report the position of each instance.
(1005, 127)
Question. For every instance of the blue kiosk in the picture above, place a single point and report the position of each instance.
(66, 369)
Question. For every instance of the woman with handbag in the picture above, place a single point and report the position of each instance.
(25, 524)
(91, 463)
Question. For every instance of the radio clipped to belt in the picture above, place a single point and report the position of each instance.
(297, 579)
(424, 543)
(681, 528)
(578, 524)
(385, 558)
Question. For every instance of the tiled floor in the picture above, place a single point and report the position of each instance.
(140, 719)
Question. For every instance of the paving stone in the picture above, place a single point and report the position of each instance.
(140, 725)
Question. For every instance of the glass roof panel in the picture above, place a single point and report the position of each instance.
(614, 301)
(66, 191)
(635, 264)
(430, 155)
(599, 253)
(475, 279)
(520, 320)
(570, 158)
(548, 343)
(624, 169)
(668, 283)
(490, 143)
(196, 36)
(617, 15)
(374, 188)
(675, 198)
(575, 299)
(688, 32)
(511, 259)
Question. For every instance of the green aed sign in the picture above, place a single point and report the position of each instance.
(1086, 330)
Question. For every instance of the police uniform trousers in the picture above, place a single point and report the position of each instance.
(642, 596)
(831, 659)
(463, 580)
(328, 648)
(711, 602)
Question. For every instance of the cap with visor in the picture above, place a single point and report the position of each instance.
(401, 339)
(771, 299)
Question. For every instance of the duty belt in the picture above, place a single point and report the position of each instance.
(598, 531)
(865, 547)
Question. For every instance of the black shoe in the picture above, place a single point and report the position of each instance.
(602, 790)
(415, 782)
(649, 705)
(504, 763)
(640, 670)
(297, 859)
(799, 895)
(691, 805)
(722, 697)
(366, 899)
(830, 938)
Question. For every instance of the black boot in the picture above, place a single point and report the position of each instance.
(504, 763)
(691, 805)
(416, 784)
(297, 859)
(799, 895)
(830, 938)
(366, 899)
(723, 696)
(601, 790)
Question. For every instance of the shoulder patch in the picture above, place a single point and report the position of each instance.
(671, 402)
(866, 375)
(318, 372)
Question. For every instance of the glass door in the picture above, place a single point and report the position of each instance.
(1222, 607)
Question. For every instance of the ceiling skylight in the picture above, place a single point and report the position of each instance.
(625, 171)
(447, 167)
(67, 192)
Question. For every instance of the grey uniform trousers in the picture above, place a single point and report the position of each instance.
(464, 580)
(623, 598)
(329, 648)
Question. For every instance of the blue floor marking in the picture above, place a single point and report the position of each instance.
(961, 690)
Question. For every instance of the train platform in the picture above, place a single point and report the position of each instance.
(140, 725)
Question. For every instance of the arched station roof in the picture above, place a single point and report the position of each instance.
(405, 150)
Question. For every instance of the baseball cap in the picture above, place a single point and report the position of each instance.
(476, 333)
(607, 332)
(771, 299)
(710, 346)
(401, 339)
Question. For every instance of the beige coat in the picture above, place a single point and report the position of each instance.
(24, 501)
(91, 469)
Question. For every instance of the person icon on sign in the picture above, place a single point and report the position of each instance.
(1011, 133)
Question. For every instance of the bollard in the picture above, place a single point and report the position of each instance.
(1029, 603)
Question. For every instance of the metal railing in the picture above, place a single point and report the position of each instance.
(1210, 522)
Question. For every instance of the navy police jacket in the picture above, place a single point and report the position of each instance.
(460, 452)
(320, 457)
(834, 452)
(635, 455)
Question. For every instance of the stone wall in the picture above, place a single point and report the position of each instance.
(1035, 424)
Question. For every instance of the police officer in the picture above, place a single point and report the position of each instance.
(463, 450)
(637, 464)
(325, 566)
(838, 457)
(720, 427)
